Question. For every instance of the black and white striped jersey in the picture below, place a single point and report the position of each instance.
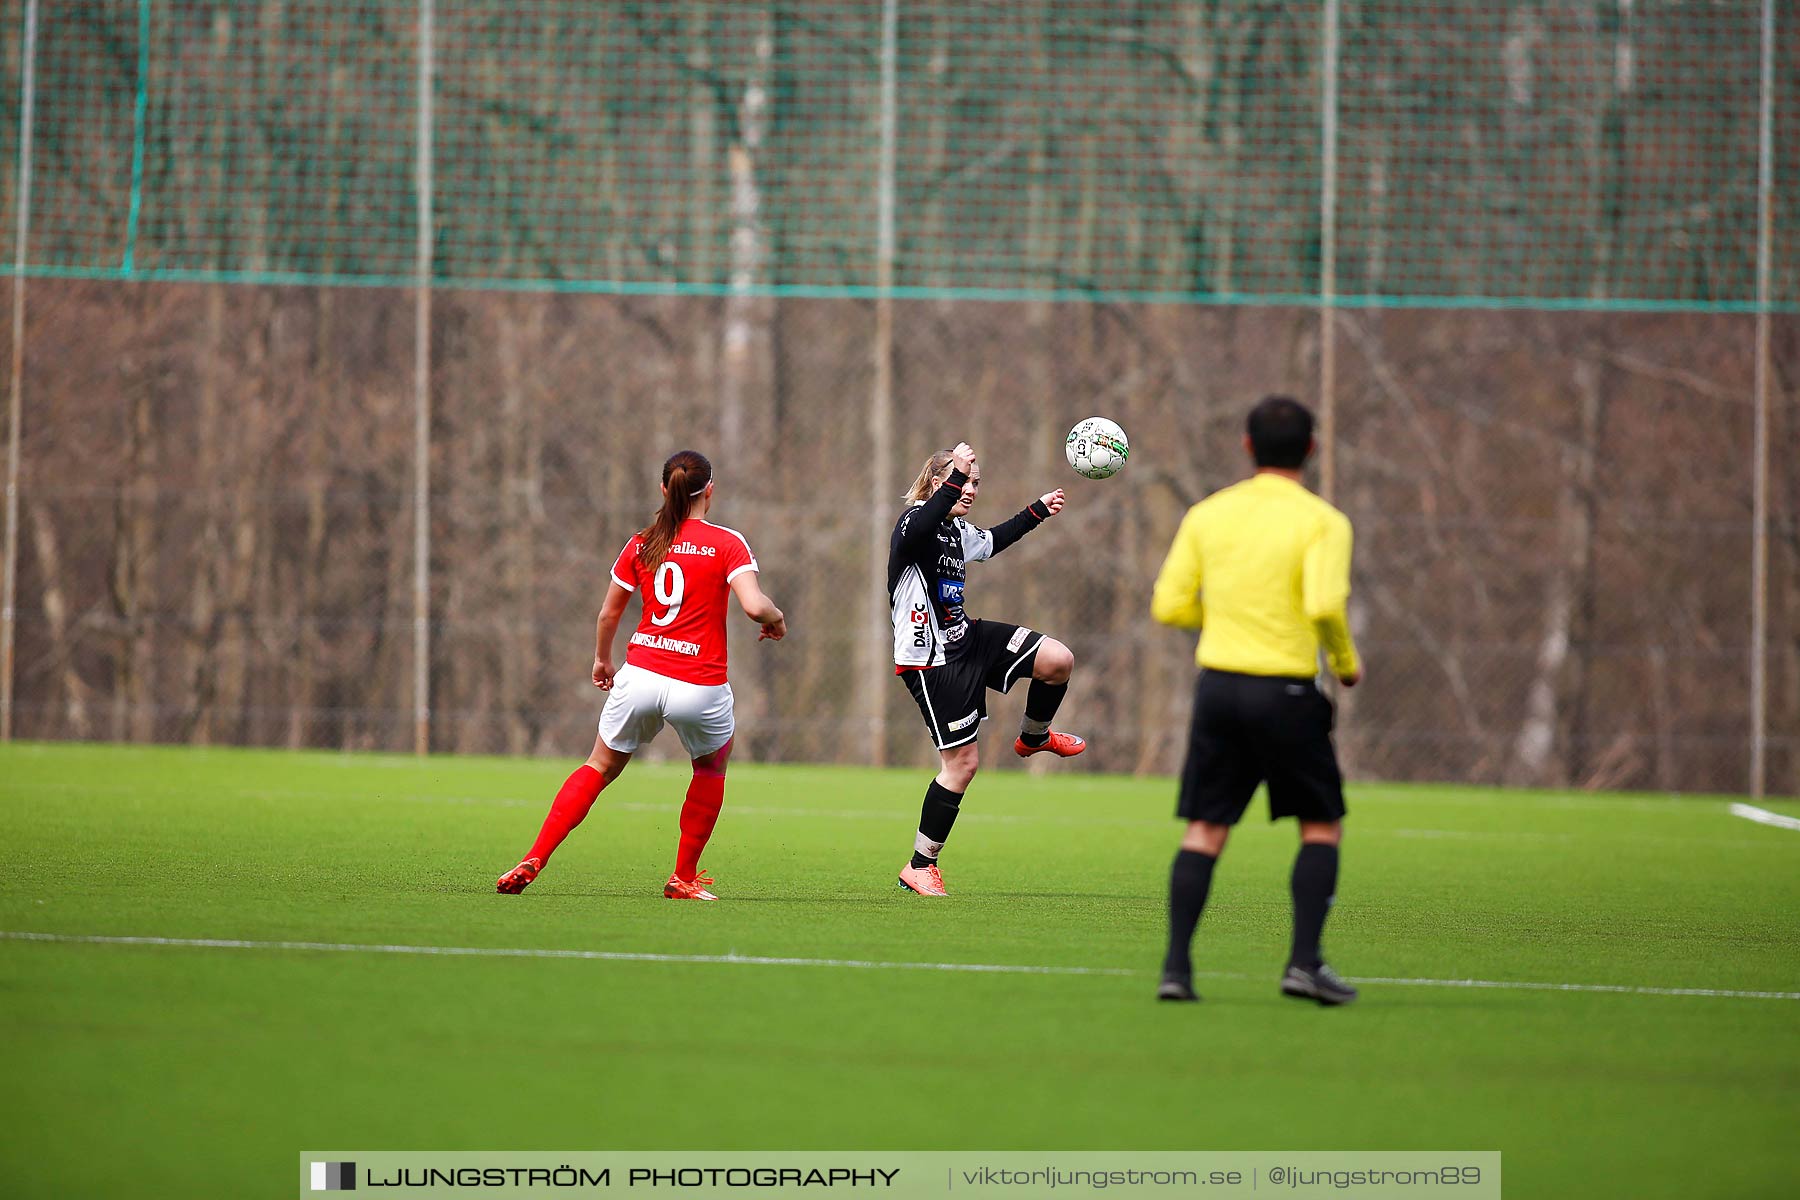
(927, 560)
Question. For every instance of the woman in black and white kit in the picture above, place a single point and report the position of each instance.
(947, 660)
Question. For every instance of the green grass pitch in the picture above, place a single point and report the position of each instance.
(139, 1070)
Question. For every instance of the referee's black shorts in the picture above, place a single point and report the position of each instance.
(1250, 728)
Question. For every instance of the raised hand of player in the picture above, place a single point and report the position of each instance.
(962, 457)
(1052, 501)
(603, 673)
(774, 630)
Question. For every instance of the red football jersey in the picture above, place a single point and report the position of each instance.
(682, 631)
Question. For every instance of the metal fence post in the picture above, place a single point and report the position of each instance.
(15, 397)
(1759, 487)
(881, 396)
(422, 398)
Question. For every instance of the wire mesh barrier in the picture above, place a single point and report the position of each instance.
(1536, 261)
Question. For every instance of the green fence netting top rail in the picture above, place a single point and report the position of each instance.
(1596, 154)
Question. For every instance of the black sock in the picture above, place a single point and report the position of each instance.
(1041, 702)
(936, 817)
(1314, 884)
(1189, 880)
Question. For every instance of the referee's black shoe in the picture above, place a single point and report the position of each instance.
(1174, 987)
(1319, 983)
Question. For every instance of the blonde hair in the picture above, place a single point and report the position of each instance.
(927, 482)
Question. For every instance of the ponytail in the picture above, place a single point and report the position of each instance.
(684, 480)
(927, 482)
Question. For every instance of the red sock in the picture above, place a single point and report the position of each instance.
(699, 813)
(573, 800)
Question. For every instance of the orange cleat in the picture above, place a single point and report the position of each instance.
(924, 880)
(1063, 745)
(514, 881)
(688, 889)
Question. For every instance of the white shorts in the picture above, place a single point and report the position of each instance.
(640, 701)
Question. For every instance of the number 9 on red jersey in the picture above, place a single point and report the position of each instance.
(681, 633)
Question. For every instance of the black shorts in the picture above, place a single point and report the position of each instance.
(953, 697)
(1251, 728)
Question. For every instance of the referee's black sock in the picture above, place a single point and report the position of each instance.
(1189, 880)
(1041, 703)
(1314, 885)
(936, 817)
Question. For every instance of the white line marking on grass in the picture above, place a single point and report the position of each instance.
(1525, 985)
(756, 810)
(752, 960)
(1507, 835)
(897, 816)
(1763, 816)
(1038, 819)
(758, 960)
(1626, 989)
(1488, 797)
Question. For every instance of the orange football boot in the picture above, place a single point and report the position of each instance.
(515, 880)
(924, 880)
(1063, 745)
(688, 889)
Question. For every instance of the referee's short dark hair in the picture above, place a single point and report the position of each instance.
(1281, 432)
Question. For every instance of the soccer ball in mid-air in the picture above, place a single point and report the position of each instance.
(1097, 448)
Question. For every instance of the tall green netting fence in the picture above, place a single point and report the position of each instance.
(351, 336)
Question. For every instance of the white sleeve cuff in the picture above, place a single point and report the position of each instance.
(623, 584)
(749, 566)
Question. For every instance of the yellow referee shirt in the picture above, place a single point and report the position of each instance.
(1262, 569)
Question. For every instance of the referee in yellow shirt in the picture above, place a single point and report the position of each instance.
(1262, 569)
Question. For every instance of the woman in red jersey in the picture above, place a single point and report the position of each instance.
(684, 568)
